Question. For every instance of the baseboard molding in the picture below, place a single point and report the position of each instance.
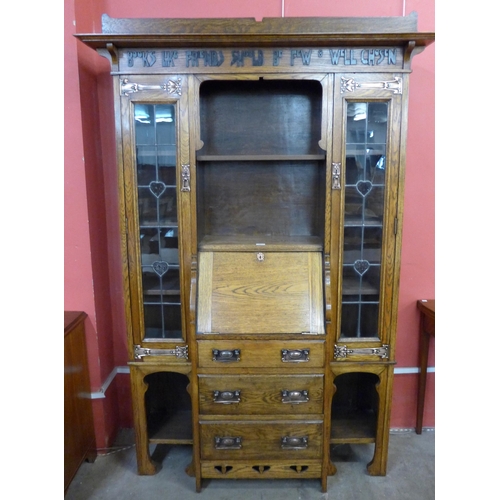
(401, 430)
(416, 369)
(101, 393)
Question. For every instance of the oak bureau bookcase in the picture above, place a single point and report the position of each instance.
(261, 169)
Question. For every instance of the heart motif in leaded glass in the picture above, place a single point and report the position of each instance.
(160, 267)
(361, 266)
(157, 188)
(364, 187)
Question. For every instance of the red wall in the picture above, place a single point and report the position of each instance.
(92, 259)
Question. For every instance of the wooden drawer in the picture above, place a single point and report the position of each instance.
(260, 394)
(261, 440)
(223, 354)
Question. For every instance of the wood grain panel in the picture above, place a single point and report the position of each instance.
(261, 440)
(280, 294)
(261, 394)
(260, 354)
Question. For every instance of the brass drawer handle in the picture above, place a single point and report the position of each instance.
(294, 443)
(294, 355)
(227, 443)
(226, 355)
(227, 397)
(294, 397)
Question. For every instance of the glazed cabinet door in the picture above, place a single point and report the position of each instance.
(369, 109)
(156, 176)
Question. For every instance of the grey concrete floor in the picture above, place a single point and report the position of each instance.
(410, 475)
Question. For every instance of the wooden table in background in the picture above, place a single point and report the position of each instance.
(427, 310)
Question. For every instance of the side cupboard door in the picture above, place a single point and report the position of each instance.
(368, 119)
(156, 193)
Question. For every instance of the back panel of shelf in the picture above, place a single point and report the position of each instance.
(260, 171)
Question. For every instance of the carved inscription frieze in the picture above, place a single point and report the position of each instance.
(321, 58)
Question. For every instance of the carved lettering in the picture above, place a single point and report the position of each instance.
(148, 58)
(238, 57)
(213, 58)
(391, 56)
(346, 54)
(335, 56)
(305, 55)
(375, 57)
(209, 58)
(167, 59)
(277, 55)
(259, 60)
(192, 58)
(350, 59)
(368, 56)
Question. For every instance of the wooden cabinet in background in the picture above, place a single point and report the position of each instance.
(79, 437)
(261, 169)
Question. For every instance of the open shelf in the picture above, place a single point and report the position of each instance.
(168, 408)
(354, 428)
(254, 119)
(260, 177)
(354, 408)
(173, 428)
(281, 199)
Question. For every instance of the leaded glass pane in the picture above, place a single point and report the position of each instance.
(365, 164)
(157, 206)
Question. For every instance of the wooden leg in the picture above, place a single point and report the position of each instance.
(422, 378)
(145, 466)
(324, 476)
(332, 469)
(378, 464)
(328, 468)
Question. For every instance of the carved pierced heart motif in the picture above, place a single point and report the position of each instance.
(223, 469)
(157, 188)
(261, 468)
(361, 266)
(364, 187)
(160, 267)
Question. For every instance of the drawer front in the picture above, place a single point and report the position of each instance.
(261, 440)
(223, 354)
(257, 394)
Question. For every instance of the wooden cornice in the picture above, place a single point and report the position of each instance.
(277, 32)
